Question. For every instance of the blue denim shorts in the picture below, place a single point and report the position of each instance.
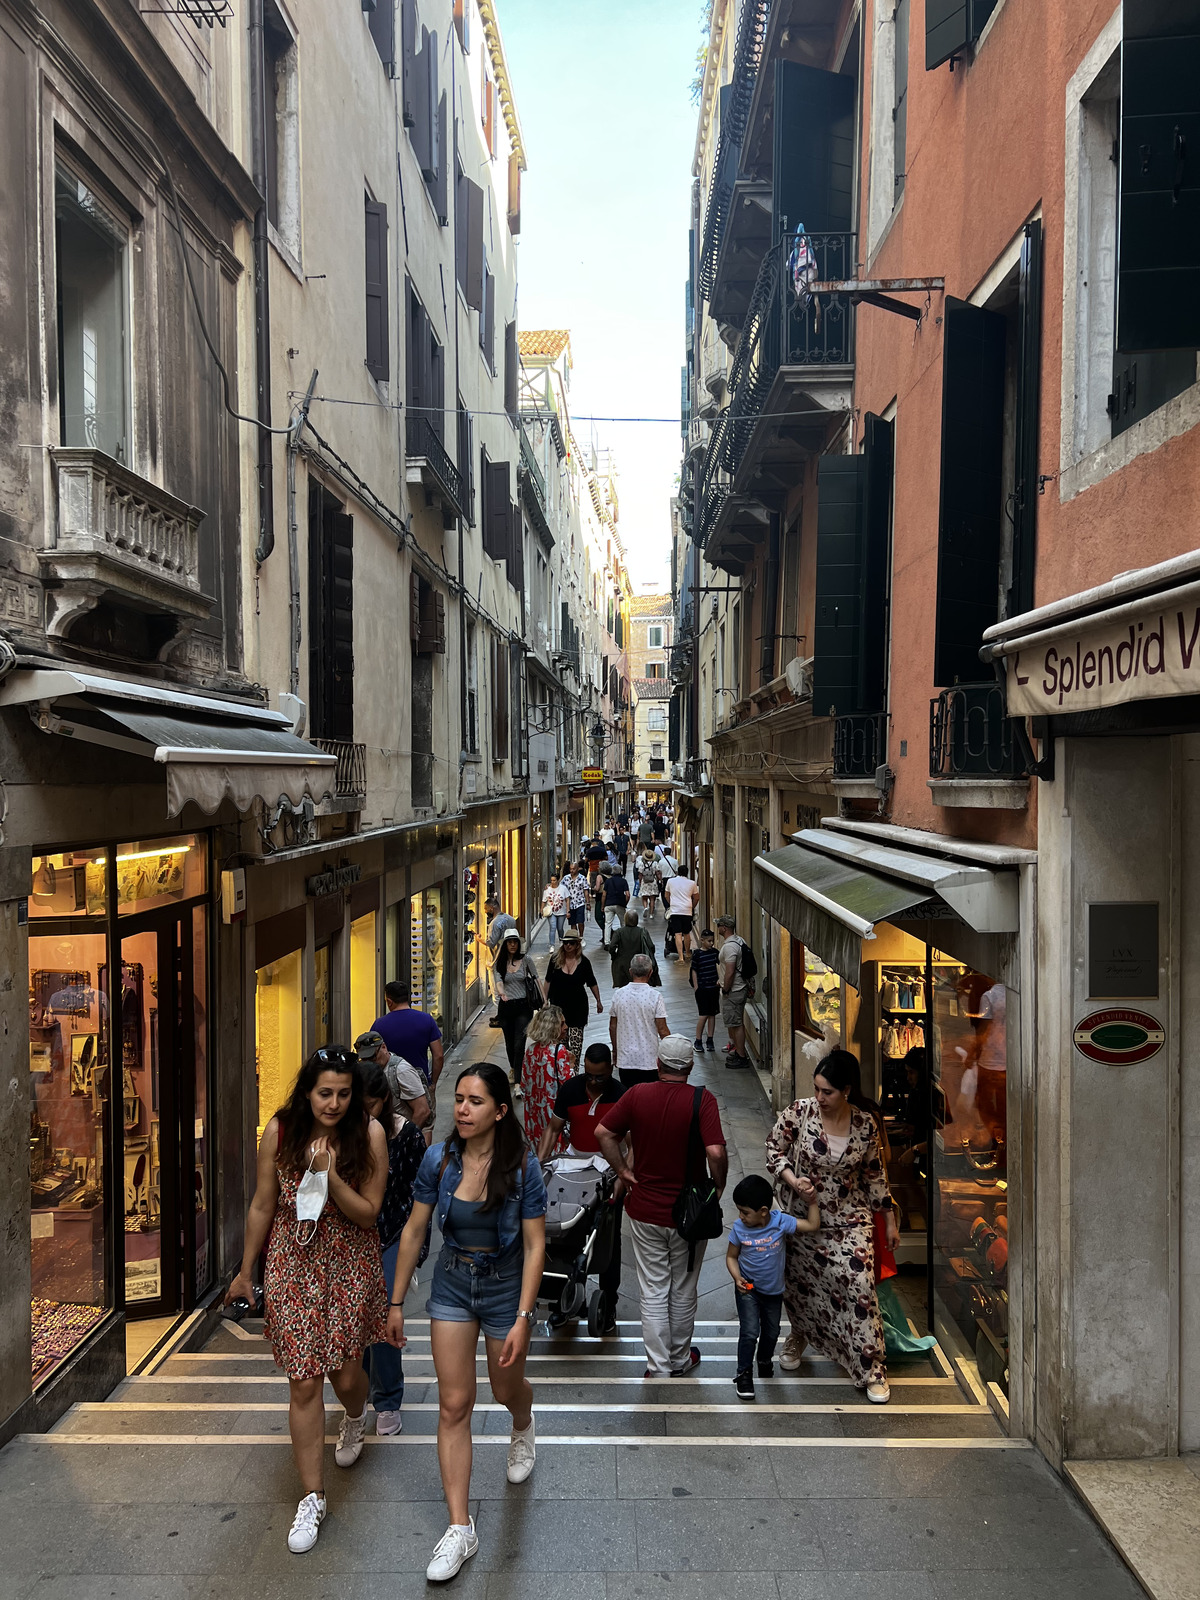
(487, 1292)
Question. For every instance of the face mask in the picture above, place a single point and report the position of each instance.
(311, 1194)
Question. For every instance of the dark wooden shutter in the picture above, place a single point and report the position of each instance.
(341, 612)
(475, 264)
(408, 59)
(376, 288)
(516, 548)
(439, 622)
(516, 700)
(414, 608)
(837, 667)
(428, 103)
(673, 728)
(971, 489)
(512, 369)
(879, 454)
(440, 192)
(487, 321)
(420, 134)
(1029, 387)
(466, 459)
(813, 179)
(496, 513)
(382, 23)
(1158, 256)
(951, 25)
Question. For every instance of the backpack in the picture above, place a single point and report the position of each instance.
(748, 964)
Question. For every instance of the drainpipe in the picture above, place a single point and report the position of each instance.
(262, 304)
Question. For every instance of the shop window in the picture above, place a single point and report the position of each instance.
(202, 1140)
(152, 873)
(71, 883)
(322, 997)
(91, 261)
(278, 1031)
(426, 929)
(364, 991)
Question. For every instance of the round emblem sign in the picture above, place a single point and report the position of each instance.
(1119, 1038)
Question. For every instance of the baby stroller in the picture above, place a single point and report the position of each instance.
(581, 1224)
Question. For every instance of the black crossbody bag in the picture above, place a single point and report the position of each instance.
(697, 1209)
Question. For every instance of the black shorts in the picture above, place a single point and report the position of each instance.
(678, 925)
(708, 1002)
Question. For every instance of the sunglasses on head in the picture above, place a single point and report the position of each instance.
(335, 1054)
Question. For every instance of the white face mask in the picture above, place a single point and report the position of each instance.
(311, 1194)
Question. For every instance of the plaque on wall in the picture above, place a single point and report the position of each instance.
(1123, 950)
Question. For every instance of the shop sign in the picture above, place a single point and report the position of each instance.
(332, 880)
(592, 774)
(1119, 1037)
(1100, 664)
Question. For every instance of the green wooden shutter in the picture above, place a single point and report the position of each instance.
(673, 727)
(879, 454)
(382, 23)
(813, 178)
(409, 39)
(475, 263)
(341, 618)
(837, 668)
(951, 25)
(376, 288)
(1029, 387)
(971, 491)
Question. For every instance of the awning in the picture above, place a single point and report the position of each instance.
(212, 750)
(828, 905)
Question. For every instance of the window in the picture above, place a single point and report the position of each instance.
(93, 340)
(376, 288)
(487, 321)
(427, 629)
(655, 669)
(330, 616)
(487, 106)
(381, 20)
(500, 698)
(900, 99)
(462, 22)
(471, 721)
(512, 370)
(656, 749)
(514, 193)
(657, 764)
(656, 720)
(654, 636)
(952, 25)
(281, 127)
(425, 379)
(497, 508)
(468, 240)
(466, 459)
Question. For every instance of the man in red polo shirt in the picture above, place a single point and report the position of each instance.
(657, 1118)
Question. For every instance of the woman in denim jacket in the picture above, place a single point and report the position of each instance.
(486, 1186)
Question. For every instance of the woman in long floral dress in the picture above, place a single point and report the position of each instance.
(827, 1148)
(548, 1064)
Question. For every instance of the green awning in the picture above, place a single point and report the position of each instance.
(829, 905)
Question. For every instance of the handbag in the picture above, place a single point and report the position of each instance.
(697, 1209)
(533, 989)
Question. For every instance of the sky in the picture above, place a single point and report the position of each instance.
(602, 94)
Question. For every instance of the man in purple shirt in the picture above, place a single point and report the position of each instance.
(415, 1037)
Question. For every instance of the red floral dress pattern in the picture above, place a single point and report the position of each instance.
(326, 1301)
(544, 1069)
(829, 1278)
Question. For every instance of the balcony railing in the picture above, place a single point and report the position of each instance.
(859, 745)
(747, 55)
(971, 735)
(350, 774)
(530, 464)
(422, 443)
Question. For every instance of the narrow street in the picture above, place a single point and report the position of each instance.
(181, 1485)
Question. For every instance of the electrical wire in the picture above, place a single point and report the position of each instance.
(537, 416)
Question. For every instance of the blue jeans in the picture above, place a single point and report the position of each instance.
(557, 924)
(383, 1361)
(758, 1324)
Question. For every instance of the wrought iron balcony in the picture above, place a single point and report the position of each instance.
(859, 745)
(429, 465)
(971, 734)
(350, 774)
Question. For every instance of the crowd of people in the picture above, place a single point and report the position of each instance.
(350, 1183)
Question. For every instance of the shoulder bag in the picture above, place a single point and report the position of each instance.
(533, 989)
(697, 1209)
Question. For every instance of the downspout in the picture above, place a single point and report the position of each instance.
(262, 304)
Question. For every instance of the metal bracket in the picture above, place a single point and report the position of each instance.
(879, 292)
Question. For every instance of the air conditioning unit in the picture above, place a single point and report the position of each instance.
(799, 676)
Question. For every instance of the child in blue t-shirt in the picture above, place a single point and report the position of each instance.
(755, 1257)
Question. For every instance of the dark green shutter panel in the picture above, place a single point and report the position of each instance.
(496, 514)
(516, 548)
(376, 288)
(837, 667)
(341, 614)
(512, 369)
(673, 729)
(382, 23)
(1029, 387)
(971, 492)
(440, 192)
(951, 25)
(879, 452)
(409, 39)
(474, 284)
(1158, 256)
(813, 179)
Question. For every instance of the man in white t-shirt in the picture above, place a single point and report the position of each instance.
(682, 895)
(637, 1021)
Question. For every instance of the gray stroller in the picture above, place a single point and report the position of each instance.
(581, 1224)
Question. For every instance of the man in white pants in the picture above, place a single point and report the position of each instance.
(657, 1117)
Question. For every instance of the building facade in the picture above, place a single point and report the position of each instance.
(940, 366)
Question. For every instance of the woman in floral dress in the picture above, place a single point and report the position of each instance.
(548, 1064)
(827, 1149)
(325, 1294)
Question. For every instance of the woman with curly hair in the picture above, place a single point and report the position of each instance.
(322, 1172)
(548, 1064)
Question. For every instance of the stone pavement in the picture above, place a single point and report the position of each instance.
(181, 1486)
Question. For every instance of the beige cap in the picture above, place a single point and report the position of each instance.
(675, 1052)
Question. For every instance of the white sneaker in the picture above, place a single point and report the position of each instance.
(879, 1393)
(522, 1453)
(790, 1355)
(350, 1439)
(310, 1514)
(454, 1547)
(388, 1422)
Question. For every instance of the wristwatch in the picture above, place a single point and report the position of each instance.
(530, 1316)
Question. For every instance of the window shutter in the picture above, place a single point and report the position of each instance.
(971, 489)
(439, 622)
(879, 449)
(1158, 253)
(419, 134)
(429, 107)
(837, 667)
(408, 59)
(516, 549)
(382, 23)
(1029, 384)
(946, 29)
(487, 321)
(512, 369)
(342, 622)
(496, 510)
(514, 194)
(376, 289)
(673, 729)
(475, 264)
(440, 193)
(813, 180)
(516, 700)
(414, 609)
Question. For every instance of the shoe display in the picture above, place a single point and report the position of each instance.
(693, 1362)
(522, 1453)
(879, 1393)
(744, 1384)
(310, 1514)
(388, 1422)
(350, 1439)
(789, 1358)
(454, 1547)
